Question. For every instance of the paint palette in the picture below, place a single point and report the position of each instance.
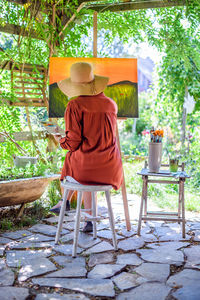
(53, 128)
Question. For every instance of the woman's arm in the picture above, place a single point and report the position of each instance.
(73, 128)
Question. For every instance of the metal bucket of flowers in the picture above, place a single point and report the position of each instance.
(155, 150)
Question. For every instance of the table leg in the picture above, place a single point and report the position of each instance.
(183, 207)
(141, 207)
(179, 201)
(145, 198)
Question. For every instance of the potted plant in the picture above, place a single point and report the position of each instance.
(19, 185)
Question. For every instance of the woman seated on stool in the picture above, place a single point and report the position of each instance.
(90, 126)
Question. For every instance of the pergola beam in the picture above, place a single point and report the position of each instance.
(16, 29)
(127, 6)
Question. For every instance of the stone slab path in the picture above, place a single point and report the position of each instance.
(157, 265)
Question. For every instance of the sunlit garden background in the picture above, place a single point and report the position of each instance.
(171, 38)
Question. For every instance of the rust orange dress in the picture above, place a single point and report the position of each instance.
(90, 126)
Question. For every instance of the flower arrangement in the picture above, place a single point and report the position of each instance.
(156, 135)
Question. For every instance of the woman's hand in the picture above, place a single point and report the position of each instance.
(57, 137)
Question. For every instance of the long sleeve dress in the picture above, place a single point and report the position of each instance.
(90, 126)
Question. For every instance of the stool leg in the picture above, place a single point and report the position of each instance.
(61, 215)
(183, 208)
(77, 224)
(94, 214)
(141, 207)
(111, 219)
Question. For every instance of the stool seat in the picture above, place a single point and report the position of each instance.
(80, 188)
(86, 188)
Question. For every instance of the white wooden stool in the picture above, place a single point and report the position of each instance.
(80, 189)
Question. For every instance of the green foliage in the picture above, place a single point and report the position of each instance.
(54, 193)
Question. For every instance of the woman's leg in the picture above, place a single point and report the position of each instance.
(87, 198)
(70, 194)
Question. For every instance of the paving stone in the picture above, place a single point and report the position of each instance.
(4, 240)
(55, 219)
(46, 229)
(86, 241)
(103, 225)
(174, 237)
(31, 245)
(67, 237)
(102, 210)
(176, 227)
(21, 257)
(34, 267)
(105, 270)
(165, 233)
(61, 297)
(126, 280)
(101, 247)
(13, 293)
(126, 233)
(195, 226)
(2, 248)
(145, 230)
(71, 270)
(7, 277)
(107, 234)
(94, 287)
(153, 271)
(15, 235)
(164, 253)
(147, 291)
(131, 243)
(191, 292)
(149, 237)
(186, 277)
(175, 245)
(155, 224)
(65, 260)
(70, 225)
(66, 249)
(193, 257)
(196, 238)
(100, 258)
(163, 230)
(2, 264)
(129, 259)
(37, 238)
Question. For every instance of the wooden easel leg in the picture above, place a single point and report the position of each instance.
(125, 202)
(124, 194)
(141, 207)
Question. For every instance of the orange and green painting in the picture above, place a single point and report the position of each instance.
(122, 86)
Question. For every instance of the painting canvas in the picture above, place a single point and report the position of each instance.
(122, 86)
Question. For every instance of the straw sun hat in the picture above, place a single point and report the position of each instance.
(82, 81)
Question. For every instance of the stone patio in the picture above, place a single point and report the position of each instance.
(156, 266)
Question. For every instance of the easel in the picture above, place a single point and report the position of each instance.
(124, 195)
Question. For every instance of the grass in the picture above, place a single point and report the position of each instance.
(32, 214)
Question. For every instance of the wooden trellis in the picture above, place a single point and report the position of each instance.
(29, 83)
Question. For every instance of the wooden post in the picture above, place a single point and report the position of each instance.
(95, 34)
(124, 194)
(184, 117)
